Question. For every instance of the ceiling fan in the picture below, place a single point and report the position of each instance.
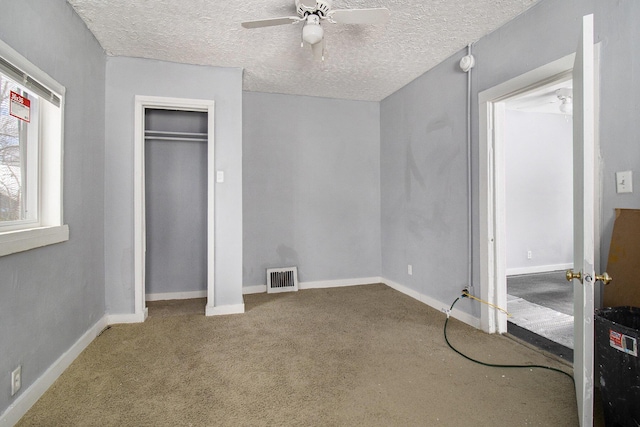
(312, 12)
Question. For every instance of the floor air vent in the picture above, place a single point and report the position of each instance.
(282, 279)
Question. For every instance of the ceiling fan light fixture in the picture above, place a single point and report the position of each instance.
(566, 106)
(312, 33)
(312, 12)
(565, 95)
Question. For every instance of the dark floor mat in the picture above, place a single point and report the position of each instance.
(546, 289)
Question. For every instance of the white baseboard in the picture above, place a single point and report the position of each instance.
(24, 401)
(176, 295)
(257, 289)
(339, 283)
(224, 309)
(537, 269)
(113, 319)
(434, 303)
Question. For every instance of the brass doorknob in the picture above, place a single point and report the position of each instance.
(604, 278)
(570, 275)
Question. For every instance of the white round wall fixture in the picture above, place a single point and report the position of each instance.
(467, 62)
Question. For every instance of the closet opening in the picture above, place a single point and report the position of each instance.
(173, 201)
(175, 204)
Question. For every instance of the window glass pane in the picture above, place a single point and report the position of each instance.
(14, 152)
(10, 168)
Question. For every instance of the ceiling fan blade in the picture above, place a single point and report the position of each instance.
(271, 22)
(318, 50)
(308, 4)
(359, 16)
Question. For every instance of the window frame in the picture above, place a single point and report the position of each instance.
(49, 228)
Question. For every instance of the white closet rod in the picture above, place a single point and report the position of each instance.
(175, 136)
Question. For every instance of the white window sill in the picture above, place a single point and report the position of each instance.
(23, 240)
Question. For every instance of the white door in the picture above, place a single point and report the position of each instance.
(583, 209)
(583, 228)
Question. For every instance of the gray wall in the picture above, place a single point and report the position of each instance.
(538, 179)
(424, 194)
(311, 187)
(125, 78)
(412, 227)
(49, 297)
(617, 27)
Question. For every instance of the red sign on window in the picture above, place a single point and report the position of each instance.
(20, 107)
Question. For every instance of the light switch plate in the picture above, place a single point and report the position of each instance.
(220, 176)
(624, 182)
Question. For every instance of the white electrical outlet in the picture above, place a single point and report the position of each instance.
(529, 255)
(409, 269)
(16, 380)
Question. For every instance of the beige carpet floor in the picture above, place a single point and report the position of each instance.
(355, 356)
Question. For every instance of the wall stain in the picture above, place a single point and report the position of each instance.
(287, 256)
(412, 173)
(439, 123)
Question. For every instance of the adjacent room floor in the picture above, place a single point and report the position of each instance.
(541, 306)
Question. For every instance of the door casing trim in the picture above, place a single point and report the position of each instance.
(184, 104)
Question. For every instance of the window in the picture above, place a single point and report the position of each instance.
(31, 117)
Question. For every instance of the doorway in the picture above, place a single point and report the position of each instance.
(175, 204)
(159, 104)
(492, 228)
(538, 140)
(492, 198)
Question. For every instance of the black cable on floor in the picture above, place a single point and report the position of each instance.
(495, 365)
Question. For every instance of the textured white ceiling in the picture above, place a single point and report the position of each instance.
(363, 62)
